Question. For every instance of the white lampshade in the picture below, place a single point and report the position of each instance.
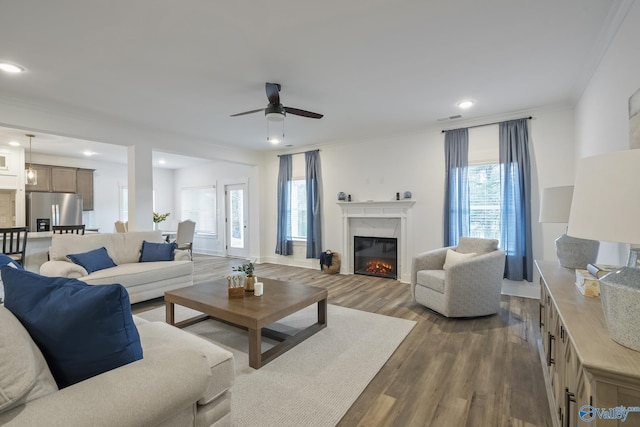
(555, 205)
(606, 198)
(606, 206)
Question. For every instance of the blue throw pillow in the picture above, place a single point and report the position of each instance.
(157, 251)
(4, 260)
(82, 330)
(97, 259)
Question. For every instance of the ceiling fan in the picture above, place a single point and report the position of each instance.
(275, 111)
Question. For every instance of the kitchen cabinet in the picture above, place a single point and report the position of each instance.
(43, 182)
(61, 179)
(584, 369)
(84, 179)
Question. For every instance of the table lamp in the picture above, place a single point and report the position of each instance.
(572, 252)
(606, 206)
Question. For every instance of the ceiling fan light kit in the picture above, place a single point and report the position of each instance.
(276, 112)
(275, 131)
(274, 117)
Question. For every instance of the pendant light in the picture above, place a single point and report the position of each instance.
(30, 174)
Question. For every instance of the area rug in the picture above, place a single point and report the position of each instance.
(316, 382)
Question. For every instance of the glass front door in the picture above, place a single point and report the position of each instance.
(236, 220)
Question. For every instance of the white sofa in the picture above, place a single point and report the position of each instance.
(182, 380)
(143, 280)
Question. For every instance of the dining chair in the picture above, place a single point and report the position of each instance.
(120, 227)
(14, 243)
(184, 235)
(68, 229)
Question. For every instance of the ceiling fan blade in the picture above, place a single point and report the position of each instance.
(272, 90)
(303, 113)
(247, 112)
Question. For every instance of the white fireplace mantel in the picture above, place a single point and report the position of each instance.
(393, 209)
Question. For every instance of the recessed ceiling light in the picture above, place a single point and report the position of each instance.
(10, 68)
(467, 103)
(162, 161)
(14, 143)
(88, 153)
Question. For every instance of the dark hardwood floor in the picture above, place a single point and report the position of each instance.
(466, 372)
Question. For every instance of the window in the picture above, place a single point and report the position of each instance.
(199, 204)
(298, 209)
(124, 204)
(484, 198)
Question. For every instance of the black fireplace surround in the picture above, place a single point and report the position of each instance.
(375, 256)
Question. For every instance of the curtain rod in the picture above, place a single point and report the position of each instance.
(299, 152)
(488, 124)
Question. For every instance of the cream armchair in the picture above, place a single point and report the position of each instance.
(469, 285)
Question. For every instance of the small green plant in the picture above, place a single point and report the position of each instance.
(160, 217)
(246, 268)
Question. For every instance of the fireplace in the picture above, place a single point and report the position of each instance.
(375, 256)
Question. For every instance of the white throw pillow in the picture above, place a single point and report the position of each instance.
(454, 257)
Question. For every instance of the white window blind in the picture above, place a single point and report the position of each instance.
(484, 197)
(298, 209)
(199, 204)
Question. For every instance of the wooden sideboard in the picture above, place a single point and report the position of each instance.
(583, 365)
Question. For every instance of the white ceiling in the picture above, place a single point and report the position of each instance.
(372, 67)
(71, 147)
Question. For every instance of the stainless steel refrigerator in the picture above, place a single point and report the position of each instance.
(48, 209)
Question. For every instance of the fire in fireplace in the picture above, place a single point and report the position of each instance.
(375, 256)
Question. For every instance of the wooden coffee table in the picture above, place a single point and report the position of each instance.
(252, 313)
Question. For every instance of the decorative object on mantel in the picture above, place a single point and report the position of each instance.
(341, 196)
(407, 194)
(31, 175)
(349, 198)
(397, 196)
(572, 252)
(615, 219)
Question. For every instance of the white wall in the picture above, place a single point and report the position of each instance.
(377, 169)
(163, 187)
(12, 183)
(372, 170)
(220, 173)
(602, 117)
